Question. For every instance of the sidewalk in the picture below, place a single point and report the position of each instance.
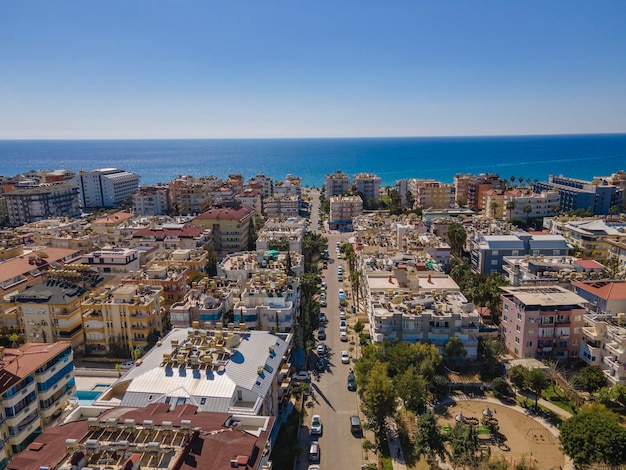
(395, 449)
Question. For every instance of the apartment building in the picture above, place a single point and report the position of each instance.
(169, 439)
(488, 250)
(270, 297)
(542, 322)
(589, 235)
(45, 201)
(343, 209)
(598, 196)
(605, 296)
(206, 303)
(617, 249)
(171, 277)
(281, 207)
(172, 236)
(108, 227)
(432, 194)
(37, 381)
(473, 188)
(51, 312)
(548, 270)
(424, 307)
(292, 186)
(223, 370)
(265, 182)
(291, 229)
(223, 195)
(229, 227)
(336, 184)
(125, 314)
(253, 198)
(194, 260)
(604, 345)
(151, 201)
(113, 260)
(106, 187)
(368, 184)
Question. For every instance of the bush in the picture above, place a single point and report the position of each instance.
(500, 387)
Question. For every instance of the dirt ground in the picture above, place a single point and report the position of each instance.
(524, 436)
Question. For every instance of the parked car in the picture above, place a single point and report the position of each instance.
(302, 376)
(313, 467)
(343, 336)
(321, 333)
(345, 358)
(342, 314)
(323, 318)
(314, 452)
(343, 326)
(355, 425)
(323, 301)
(321, 349)
(320, 364)
(341, 292)
(351, 382)
(316, 425)
(127, 365)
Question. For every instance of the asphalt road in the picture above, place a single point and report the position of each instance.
(331, 398)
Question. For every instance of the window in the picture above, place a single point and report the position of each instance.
(494, 262)
(577, 330)
(517, 328)
(531, 332)
(519, 316)
(517, 340)
(577, 317)
(529, 344)
(506, 306)
(495, 252)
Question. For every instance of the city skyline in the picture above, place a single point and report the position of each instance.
(144, 70)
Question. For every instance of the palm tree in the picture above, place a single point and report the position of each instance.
(510, 206)
(527, 210)
(512, 178)
(494, 207)
(521, 180)
(355, 280)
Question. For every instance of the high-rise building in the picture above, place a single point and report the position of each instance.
(337, 184)
(40, 202)
(106, 187)
(369, 185)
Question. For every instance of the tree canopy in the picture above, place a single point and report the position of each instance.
(594, 436)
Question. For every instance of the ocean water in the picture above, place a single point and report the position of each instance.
(440, 158)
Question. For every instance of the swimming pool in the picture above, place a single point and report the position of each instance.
(86, 397)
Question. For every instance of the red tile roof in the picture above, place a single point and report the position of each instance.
(22, 362)
(588, 264)
(188, 231)
(609, 290)
(21, 264)
(227, 213)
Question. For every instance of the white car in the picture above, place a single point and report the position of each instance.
(345, 359)
(342, 314)
(343, 326)
(343, 336)
(341, 292)
(316, 425)
(127, 365)
(302, 376)
(321, 349)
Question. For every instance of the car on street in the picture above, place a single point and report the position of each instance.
(341, 292)
(127, 365)
(321, 349)
(302, 376)
(323, 318)
(355, 425)
(314, 452)
(316, 425)
(351, 381)
(320, 364)
(345, 358)
(342, 314)
(343, 326)
(321, 333)
(323, 301)
(343, 336)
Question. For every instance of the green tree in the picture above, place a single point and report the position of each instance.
(411, 387)
(379, 399)
(489, 352)
(612, 268)
(510, 206)
(618, 393)
(281, 244)
(591, 378)
(594, 436)
(429, 440)
(516, 376)
(454, 349)
(494, 207)
(456, 236)
(500, 387)
(535, 380)
(527, 210)
(464, 445)
(410, 199)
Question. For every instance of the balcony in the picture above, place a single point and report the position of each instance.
(615, 348)
(591, 333)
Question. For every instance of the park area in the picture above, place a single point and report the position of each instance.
(517, 436)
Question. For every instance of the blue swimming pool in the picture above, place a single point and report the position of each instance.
(86, 397)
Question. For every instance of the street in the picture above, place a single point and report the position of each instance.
(330, 396)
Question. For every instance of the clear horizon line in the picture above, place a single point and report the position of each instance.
(564, 134)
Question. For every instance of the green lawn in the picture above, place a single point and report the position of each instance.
(557, 398)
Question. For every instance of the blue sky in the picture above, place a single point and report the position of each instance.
(195, 69)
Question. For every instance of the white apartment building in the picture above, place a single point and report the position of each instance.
(432, 194)
(291, 229)
(336, 184)
(106, 187)
(113, 260)
(45, 201)
(368, 184)
(266, 182)
(150, 201)
(604, 345)
(544, 204)
(281, 207)
(343, 209)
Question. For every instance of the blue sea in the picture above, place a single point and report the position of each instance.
(440, 158)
